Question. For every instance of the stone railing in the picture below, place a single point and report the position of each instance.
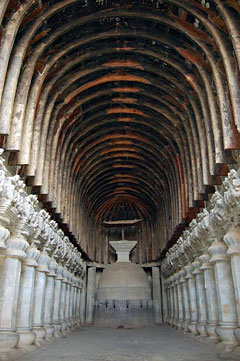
(41, 272)
(202, 270)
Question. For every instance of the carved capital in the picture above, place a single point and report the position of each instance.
(232, 240)
(218, 252)
(16, 246)
(43, 262)
(32, 256)
(52, 268)
(197, 267)
(4, 234)
(204, 259)
(189, 269)
(59, 272)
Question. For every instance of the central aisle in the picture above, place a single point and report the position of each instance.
(146, 344)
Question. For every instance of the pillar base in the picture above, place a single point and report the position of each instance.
(8, 341)
(40, 335)
(211, 332)
(193, 328)
(180, 325)
(228, 341)
(49, 332)
(63, 328)
(185, 325)
(237, 334)
(68, 326)
(26, 338)
(201, 327)
(57, 330)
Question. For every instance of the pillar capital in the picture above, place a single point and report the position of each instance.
(32, 256)
(52, 267)
(59, 272)
(189, 268)
(232, 240)
(205, 261)
(218, 252)
(183, 275)
(196, 267)
(16, 246)
(43, 262)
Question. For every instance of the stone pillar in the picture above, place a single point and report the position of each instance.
(171, 294)
(186, 302)
(175, 295)
(10, 271)
(180, 300)
(39, 296)
(165, 302)
(232, 240)
(211, 296)
(24, 321)
(91, 294)
(157, 307)
(74, 302)
(78, 303)
(71, 300)
(201, 298)
(56, 301)
(63, 303)
(168, 308)
(225, 295)
(48, 302)
(192, 299)
(83, 301)
(67, 300)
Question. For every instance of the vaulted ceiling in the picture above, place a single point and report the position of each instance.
(121, 110)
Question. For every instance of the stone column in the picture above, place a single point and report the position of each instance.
(78, 303)
(63, 303)
(10, 271)
(180, 300)
(171, 294)
(192, 299)
(48, 301)
(211, 296)
(67, 299)
(83, 302)
(56, 301)
(168, 309)
(24, 321)
(201, 298)
(39, 296)
(75, 310)
(186, 302)
(225, 295)
(165, 302)
(91, 294)
(232, 240)
(74, 302)
(71, 300)
(175, 295)
(157, 307)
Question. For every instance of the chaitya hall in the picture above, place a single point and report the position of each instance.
(119, 169)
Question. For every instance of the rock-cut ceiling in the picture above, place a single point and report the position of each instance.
(121, 110)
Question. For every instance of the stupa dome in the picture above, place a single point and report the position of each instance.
(124, 281)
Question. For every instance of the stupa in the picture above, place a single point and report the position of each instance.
(124, 294)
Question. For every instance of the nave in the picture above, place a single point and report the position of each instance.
(159, 343)
(119, 176)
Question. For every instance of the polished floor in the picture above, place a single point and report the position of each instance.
(159, 343)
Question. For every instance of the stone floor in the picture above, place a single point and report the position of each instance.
(159, 343)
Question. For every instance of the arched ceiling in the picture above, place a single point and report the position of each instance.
(121, 109)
